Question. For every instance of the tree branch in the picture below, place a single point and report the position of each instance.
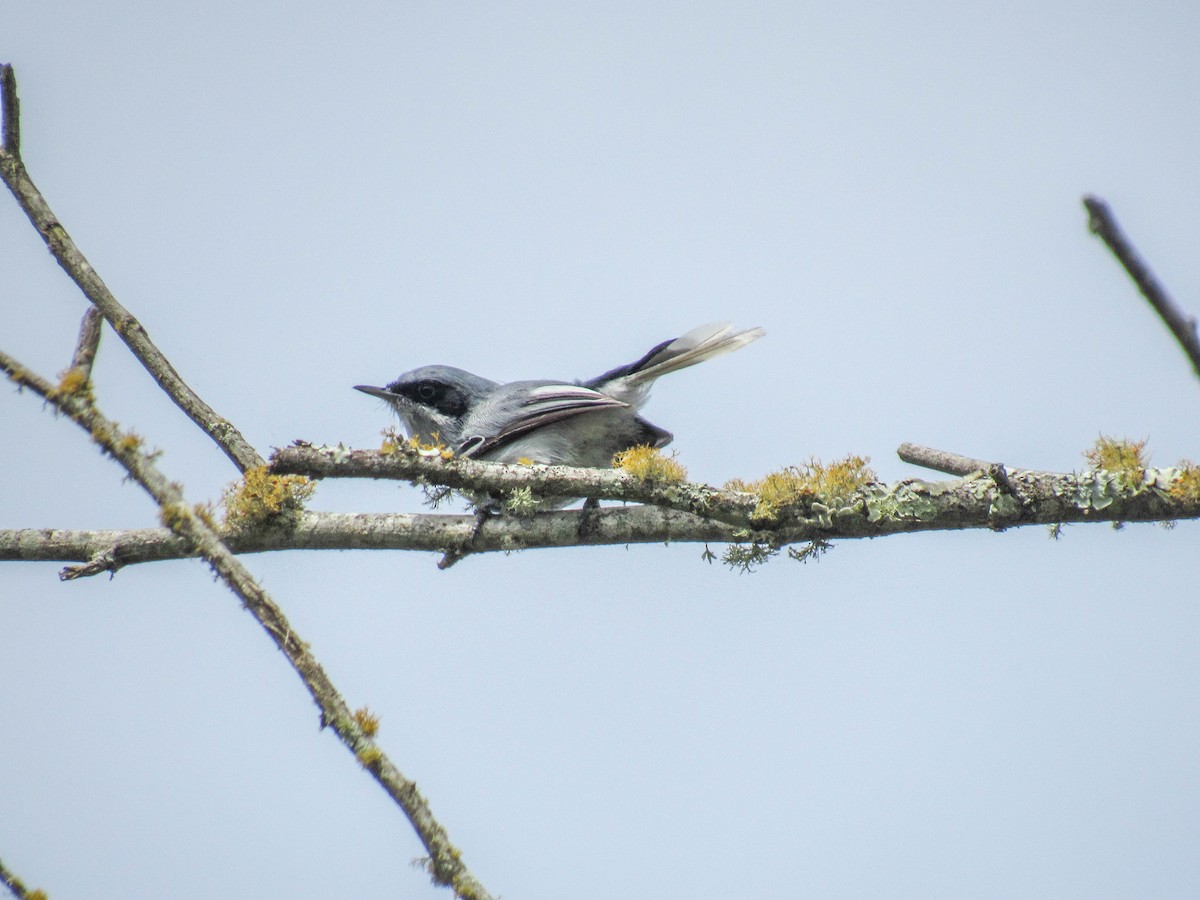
(10, 108)
(991, 496)
(110, 550)
(1104, 225)
(195, 533)
(73, 262)
(405, 464)
(14, 884)
(88, 343)
(940, 460)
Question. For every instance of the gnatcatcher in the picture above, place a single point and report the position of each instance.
(581, 423)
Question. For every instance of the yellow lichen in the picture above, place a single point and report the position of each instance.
(72, 382)
(1119, 456)
(648, 464)
(393, 442)
(1186, 485)
(261, 496)
(205, 512)
(367, 721)
(369, 757)
(832, 483)
(436, 448)
(172, 516)
(128, 443)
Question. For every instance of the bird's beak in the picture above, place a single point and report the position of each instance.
(381, 393)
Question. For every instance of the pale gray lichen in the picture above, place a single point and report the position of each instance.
(905, 500)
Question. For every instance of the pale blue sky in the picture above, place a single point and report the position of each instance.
(295, 200)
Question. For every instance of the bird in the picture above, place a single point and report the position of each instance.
(573, 423)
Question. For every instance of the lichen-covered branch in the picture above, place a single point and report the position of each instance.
(17, 886)
(990, 496)
(867, 509)
(108, 551)
(403, 463)
(1104, 225)
(73, 262)
(196, 533)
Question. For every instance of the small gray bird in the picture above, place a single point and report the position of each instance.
(552, 422)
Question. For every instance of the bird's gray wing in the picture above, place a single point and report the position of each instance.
(539, 406)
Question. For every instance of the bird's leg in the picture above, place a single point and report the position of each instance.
(585, 517)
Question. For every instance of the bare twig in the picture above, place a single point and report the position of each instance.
(1104, 225)
(13, 172)
(88, 343)
(445, 865)
(941, 460)
(11, 105)
(453, 557)
(465, 548)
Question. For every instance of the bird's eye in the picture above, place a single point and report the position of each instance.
(427, 392)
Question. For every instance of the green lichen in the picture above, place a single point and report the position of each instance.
(810, 552)
(1118, 471)
(520, 501)
(903, 501)
(1186, 484)
(1002, 505)
(1120, 457)
(748, 557)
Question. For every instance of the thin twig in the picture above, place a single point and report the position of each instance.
(73, 262)
(11, 105)
(941, 460)
(446, 865)
(16, 885)
(461, 551)
(1104, 225)
(88, 343)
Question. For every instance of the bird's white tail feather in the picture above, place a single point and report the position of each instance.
(694, 347)
(699, 344)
